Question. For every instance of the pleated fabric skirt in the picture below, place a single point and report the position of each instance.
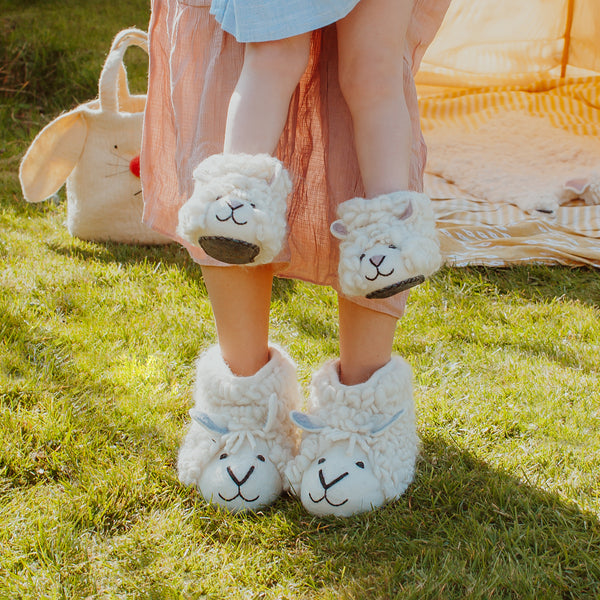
(262, 20)
(194, 67)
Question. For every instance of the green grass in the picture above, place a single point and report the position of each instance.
(97, 343)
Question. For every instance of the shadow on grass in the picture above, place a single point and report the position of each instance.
(568, 358)
(126, 254)
(533, 282)
(463, 530)
(284, 289)
(170, 255)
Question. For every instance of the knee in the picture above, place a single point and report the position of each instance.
(365, 81)
(283, 61)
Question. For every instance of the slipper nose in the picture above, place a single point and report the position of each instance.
(234, 203)
(239, 482)
(376, 260)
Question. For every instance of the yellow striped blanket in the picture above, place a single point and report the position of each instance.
(475, 230)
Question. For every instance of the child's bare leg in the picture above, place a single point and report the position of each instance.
(371, 48)
(371, 65)
(240, 296)
(259, 105)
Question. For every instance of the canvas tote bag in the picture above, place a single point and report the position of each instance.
(95, 149)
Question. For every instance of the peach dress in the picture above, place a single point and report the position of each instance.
(194, 67)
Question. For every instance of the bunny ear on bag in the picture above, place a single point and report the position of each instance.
(52, 156)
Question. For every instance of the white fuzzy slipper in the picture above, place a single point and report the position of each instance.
(240, 438)
(237, 212)
(359, 445)
(389, 244)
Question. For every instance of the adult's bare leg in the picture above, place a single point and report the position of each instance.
(366, 340)
(240, 299)
(371, 64)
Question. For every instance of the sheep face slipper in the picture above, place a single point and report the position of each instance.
(240, 438)
(389, 244)
(237, 212)
(359, 443)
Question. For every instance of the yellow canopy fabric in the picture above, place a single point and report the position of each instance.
(487, 42)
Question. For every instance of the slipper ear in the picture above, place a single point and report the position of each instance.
(385, 425)
(578, 186)
(279, 180)
(305, 422)
(52, 156)
(338, 230)
(208, 422)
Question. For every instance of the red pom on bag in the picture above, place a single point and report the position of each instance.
(134, 165)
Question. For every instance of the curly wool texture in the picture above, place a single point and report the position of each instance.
(241, 404)
(381, 220)
(260, 179)
(347, 411)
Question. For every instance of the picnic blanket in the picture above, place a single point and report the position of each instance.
(483, 216)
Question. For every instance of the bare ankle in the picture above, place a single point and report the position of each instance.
(360, 372)
(245, 364)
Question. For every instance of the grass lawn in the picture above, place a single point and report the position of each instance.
(97, 343)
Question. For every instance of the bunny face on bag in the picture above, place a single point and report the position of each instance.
(95, 149)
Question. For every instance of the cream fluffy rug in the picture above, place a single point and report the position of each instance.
(518, 159)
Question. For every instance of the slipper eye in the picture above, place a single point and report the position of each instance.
(261, 458)
(321, 461)
(224, 455)
(360, 464)
(393, 247)
(362, 256)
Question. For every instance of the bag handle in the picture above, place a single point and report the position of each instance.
(113, 79)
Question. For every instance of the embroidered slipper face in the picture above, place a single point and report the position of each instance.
(237, 211)
(359, 442)
(245, 480)
(340, 483)
(388, 244)
(240, 438)
(384, 272)
(232, 221)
